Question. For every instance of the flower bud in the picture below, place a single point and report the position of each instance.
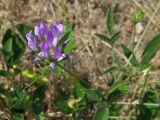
(137, 16)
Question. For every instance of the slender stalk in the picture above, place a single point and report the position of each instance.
(65, 69)
(133, 35)
(119, 117)
(144, 86)
(136, 103)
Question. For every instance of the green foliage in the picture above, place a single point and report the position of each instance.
(116, 59)
(63, 106)
(113, 69)
(117, 91)
(97, 96)
(102, 113)
(110, 20)
(34, 77)
(104, 38)
(69, 48)
(23, 29)
(115, 37)
(39, 94)
(13, 48)
(129, 54)
(148, 112)
(79, 88)
(5, 73)
(114, 109)
(20, 102)
(18, 116)
(67, 34)
(150, 50)
(111, 40)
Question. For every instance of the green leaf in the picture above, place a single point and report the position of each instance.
(65, 37)
(150, 50)
(117, 91)
(63, 106)
(69, 27)
(58, 70)
(94, 95)
(41, 116)
(23, 29)
(67, 33)
(5, 73)
(128, 53)
(102, 113)
(116, 59)
(149, 112)
(110, 41)
(39, 93)
(104, 38)
(35, 77)
(115, 37)
(110, 20)
(13, 48)
(113, 69)
(79, 88)
(20, 101)
(69, 47)
(114, 109)
(38, 111)
(18, 116)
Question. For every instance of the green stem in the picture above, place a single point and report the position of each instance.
(144, 85)
(75, 76)
(133, 35)
(140, 95)
(145, 104)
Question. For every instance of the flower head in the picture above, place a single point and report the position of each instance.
(45, 44)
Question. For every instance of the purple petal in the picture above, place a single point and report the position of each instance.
(43, 54)
(44, 47)
(41, 31)
(57, 28)
(37, 30)
(64, 57)
(31, 41)
(52, 65)
(43, 28)
(55, 41)
(36, 60)
(55, 31)
(57, 53)
(50, 38)
(60, 28)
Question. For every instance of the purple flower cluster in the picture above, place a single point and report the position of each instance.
(45, 43)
